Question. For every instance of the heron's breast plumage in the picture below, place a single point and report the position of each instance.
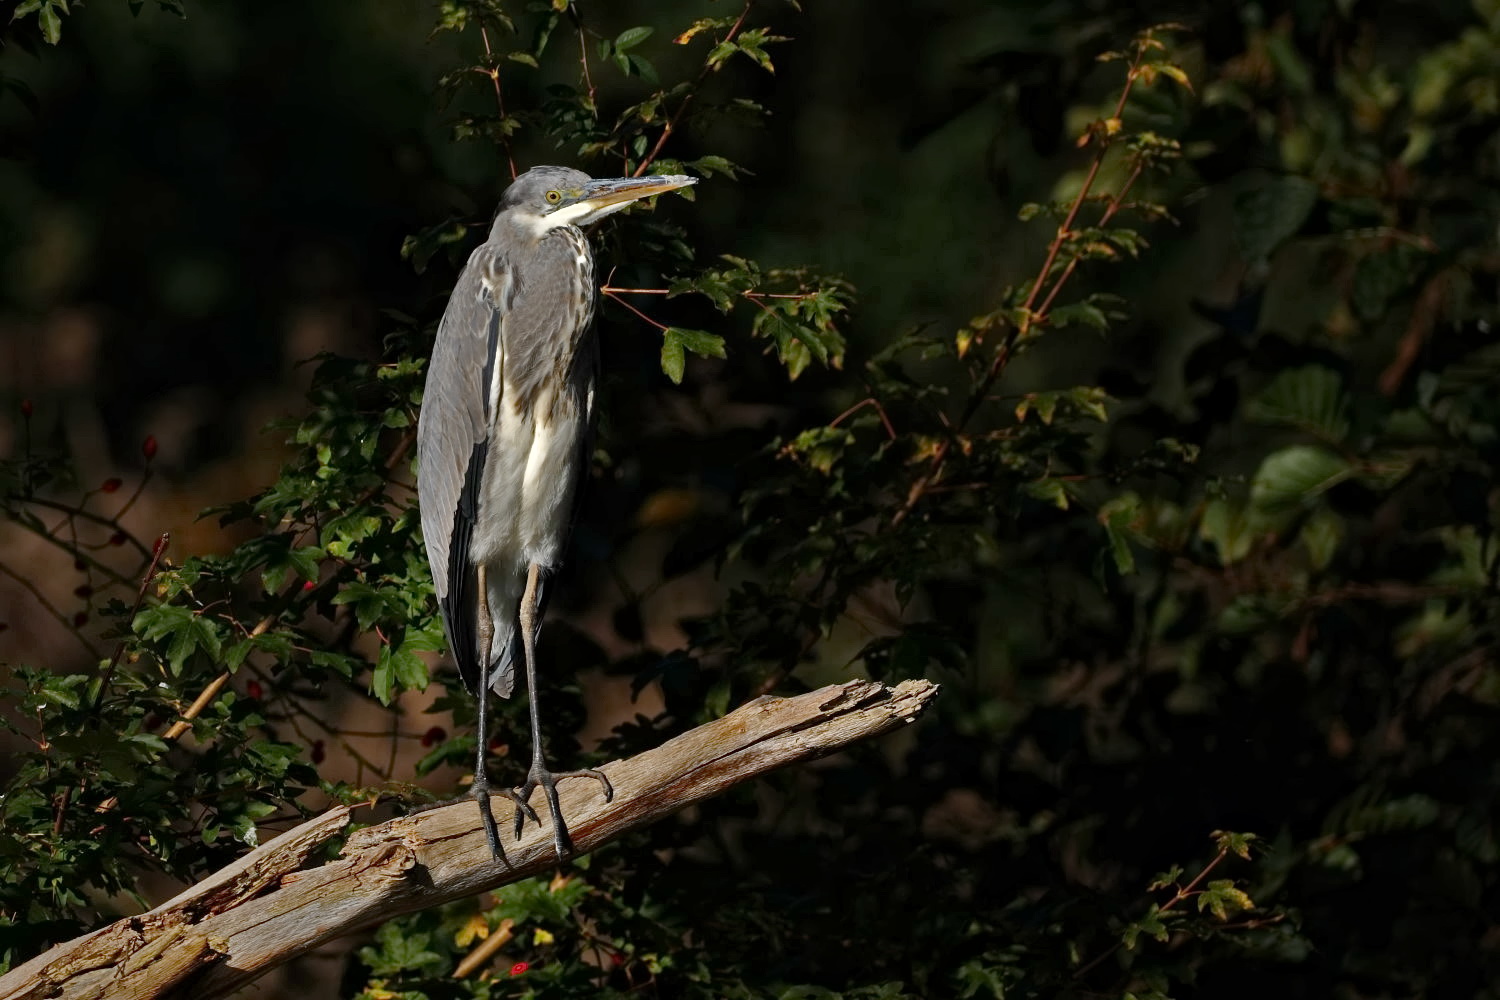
(537, 458)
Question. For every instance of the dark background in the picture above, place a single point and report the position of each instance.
(190, 207)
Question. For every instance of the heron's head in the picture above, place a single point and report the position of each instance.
(544, 198)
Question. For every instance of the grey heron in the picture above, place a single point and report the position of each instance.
(503, 444)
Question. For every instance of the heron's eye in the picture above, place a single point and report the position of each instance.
(553, 197)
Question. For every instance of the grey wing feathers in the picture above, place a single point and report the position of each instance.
(452, 439)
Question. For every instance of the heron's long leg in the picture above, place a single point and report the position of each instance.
(485, 627)
(539, 775)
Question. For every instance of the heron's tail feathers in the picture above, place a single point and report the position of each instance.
(507, 653)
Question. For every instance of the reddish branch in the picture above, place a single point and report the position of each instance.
(687, 99)
(1029, 318)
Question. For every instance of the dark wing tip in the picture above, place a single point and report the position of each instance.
(461, 604)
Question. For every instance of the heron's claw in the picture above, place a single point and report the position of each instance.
(481, 792)
(540, 777)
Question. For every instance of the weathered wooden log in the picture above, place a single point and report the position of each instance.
(270, 907)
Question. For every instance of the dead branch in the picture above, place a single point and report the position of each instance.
(268, 907)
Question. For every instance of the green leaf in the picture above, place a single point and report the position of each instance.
(420, 247)
(1166, 880)
(1294, 476)
(1221, 897)
(1049, 490)
(1121, 517)
(398, 665)
(1043, 404)
(676, 339)
(184, 631)
(820, 447)
(1288, 62)
(710, 166)
(1321, 535)
(720, 53)
(383, 680)
(402, 949)
(55, 690)
(51, 23)
(672, 359)
(701, 25)
(1226, 526)
(1267, 215)
(1151, 924)
(631, 37)
(1237, 844)
(1078, 312)
(1311, 399)
(1382, 275)
(370, 604)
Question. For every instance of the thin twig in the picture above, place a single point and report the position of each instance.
(498, 938)
(1182, 894)
(583, 56)
(1424, 316)
(33, 524)
(341, 736)
(1109, 213)
(60, 810)
(108, 522)
(748, 293)
(1004, 351)
(870, 401)
(687, 99)
(51, 609)
(157, 552)
(136, 495)
(108, 674)
(493, 72)
(660, 326)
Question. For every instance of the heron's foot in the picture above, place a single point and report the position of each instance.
(540, 777)
(481, 791)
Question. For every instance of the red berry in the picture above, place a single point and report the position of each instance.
(148, 447)
(518, 968)
(81, 619)
(254, 690)
(119, 538)
(617, 958)
(27, 409)
(317, 752)
(110, 485)
(434, 736)
(84, 591)
(308, 585)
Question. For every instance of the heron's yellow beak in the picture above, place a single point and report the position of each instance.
(617, 192)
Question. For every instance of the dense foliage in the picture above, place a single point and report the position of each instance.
(1194, 520)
